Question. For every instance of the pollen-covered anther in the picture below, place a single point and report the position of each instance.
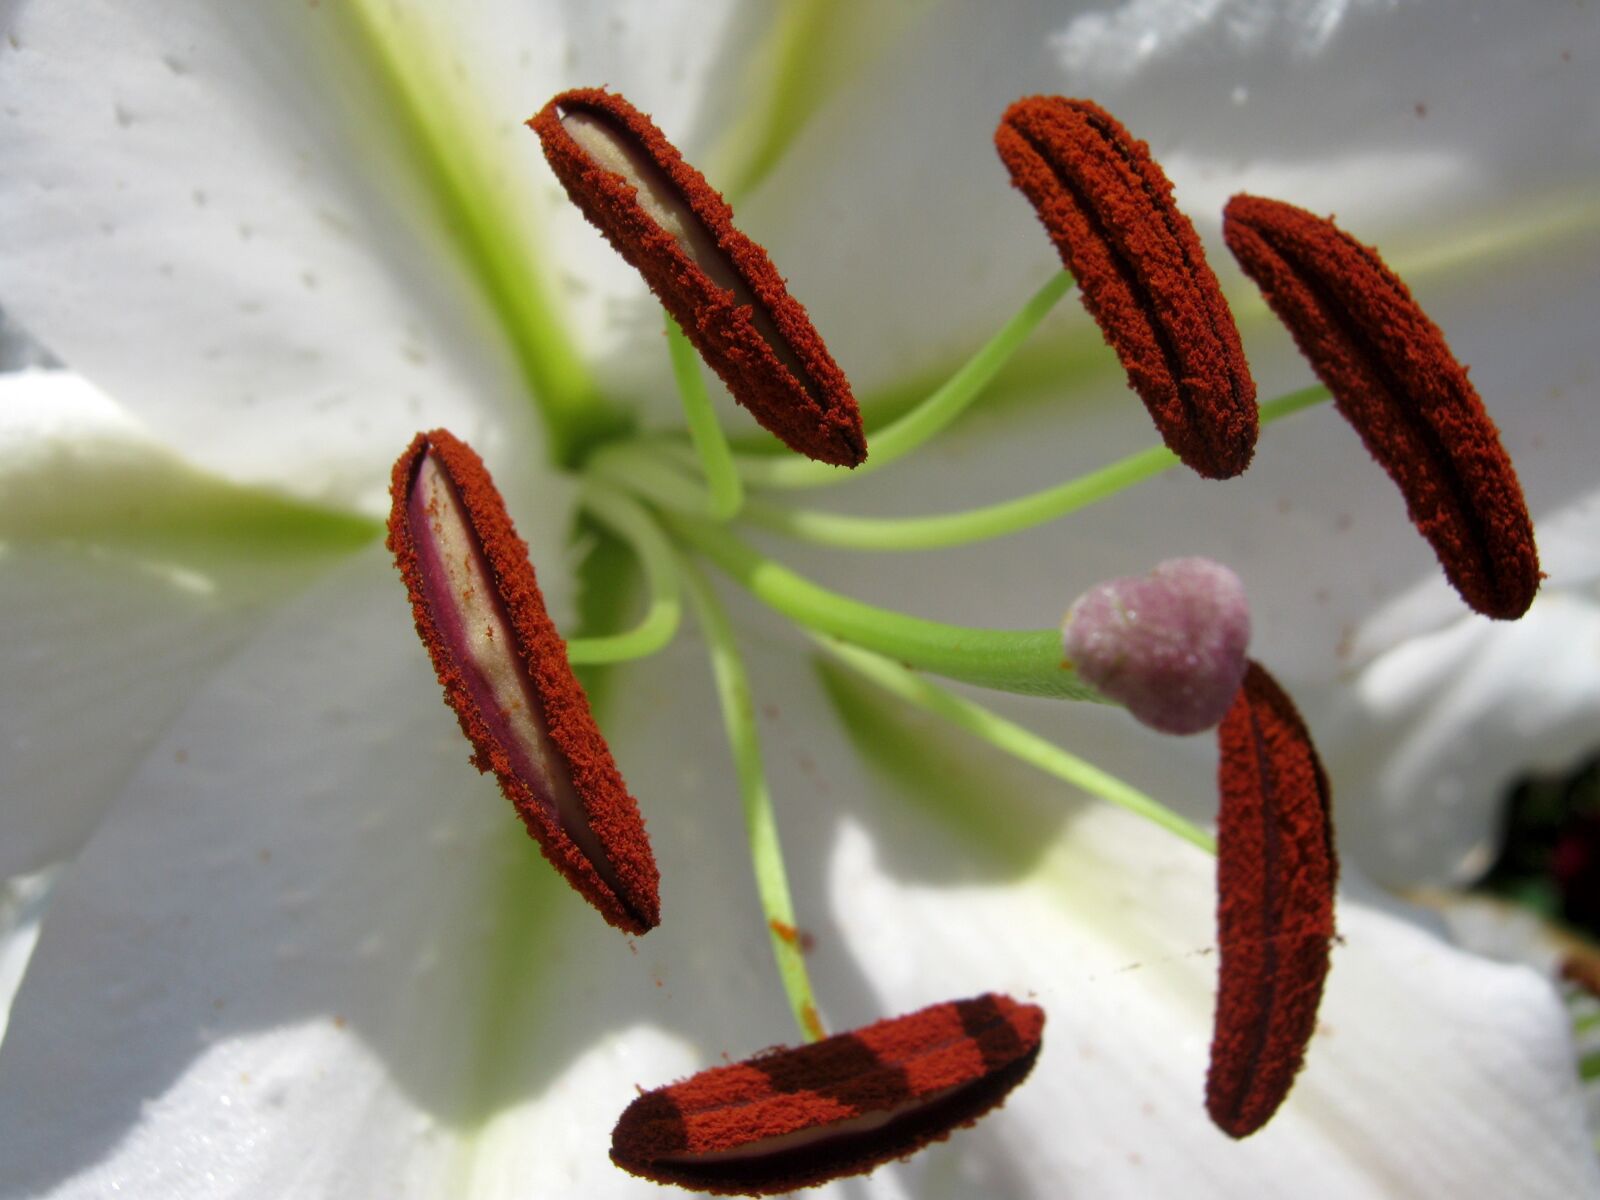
(1276, 877)
(794, 1118)
(1142, 273)
(1395, 380)
(1169, 645)
(661, 215)
(505, 673)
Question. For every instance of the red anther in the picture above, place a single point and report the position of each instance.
(1393, 377)
(505, 672)
(798, 1117)
(664, 218)
(1142, 273)
(1276, 877)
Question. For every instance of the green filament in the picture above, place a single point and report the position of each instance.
(710, 444)
(766, 855)
(994, 520)
(634, 467)
(929, 418)
(1021, 743)
(484, 209)
(659, 624)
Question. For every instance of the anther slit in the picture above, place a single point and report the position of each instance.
(487, 646)
(1393, 391)
(1127, 270)
(613, 149)
(1220, 321)
(1271, 926)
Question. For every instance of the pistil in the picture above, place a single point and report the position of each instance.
(1169, 645)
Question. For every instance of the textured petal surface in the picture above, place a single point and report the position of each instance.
(22, 905)
(310, 952)
(1433, 733)
(214, 214)
(314, 905)
(1429, 1071)
(126, 577)
(1316, 102)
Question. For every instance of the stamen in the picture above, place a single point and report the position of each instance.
(1394, 379)
(664, 218)
(1170, 645)
(656, 629)
(505, 672)
(930, 416)
(725, 488)
(1276, 874)
(855, 531)
(1141, 270)
(799, 1117)
(1022, 744)
(760, 819)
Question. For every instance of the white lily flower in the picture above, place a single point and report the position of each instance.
(301, 949)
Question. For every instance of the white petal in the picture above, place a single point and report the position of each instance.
(1318, 548)
(317, 954)
(683, 63)
(1431, 1070)
(1431, 735)
(1143, 36)
(1394, 115)
(1336, 574)
(270, 980)
(210, 215)
(18, 350)
(325, 746)
(1506, 932)
(1315, 528)
(22, 904)
(895, 204)
(126, 577)
(954, 872)
(193, 232)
